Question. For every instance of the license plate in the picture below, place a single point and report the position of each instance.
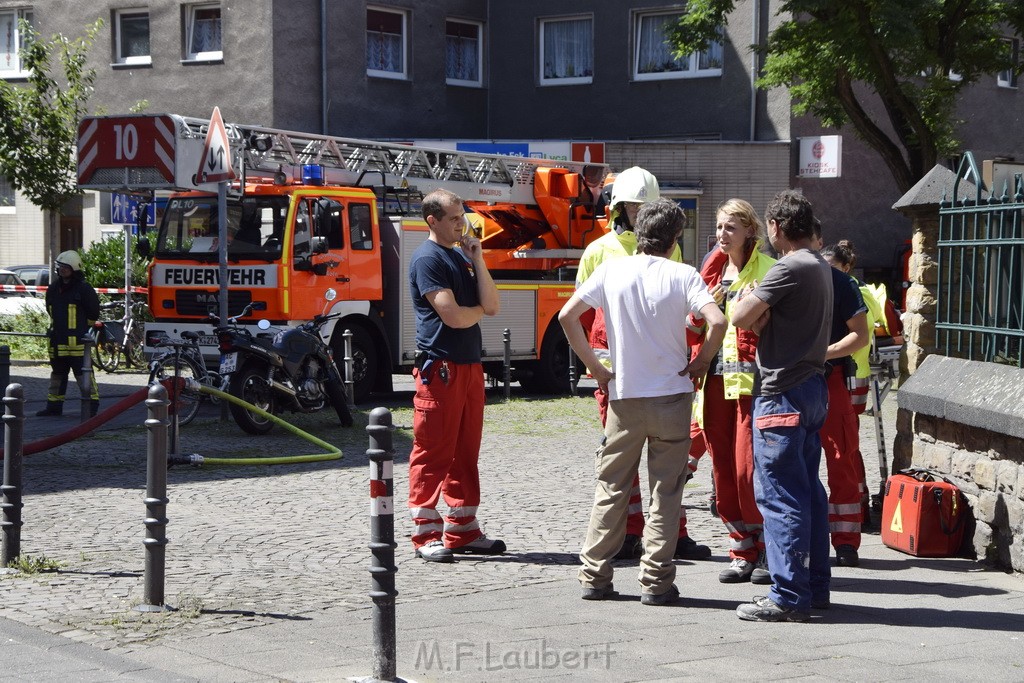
(228, 363)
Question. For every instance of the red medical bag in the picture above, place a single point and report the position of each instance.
(923, 514)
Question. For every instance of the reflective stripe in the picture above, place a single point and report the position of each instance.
(458, 528)
(736, 527)
(778, 420)
(420, 529)
(635, 508)
(844, 509)
(424, 513)
(840, 527)
(736, 366)
(742, 544)
(464, 511)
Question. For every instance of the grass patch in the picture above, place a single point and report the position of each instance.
(27, 564)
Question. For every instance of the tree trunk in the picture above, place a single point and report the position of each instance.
(52, 220)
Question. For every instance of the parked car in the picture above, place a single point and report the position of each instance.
(15, 302)
(36, 276)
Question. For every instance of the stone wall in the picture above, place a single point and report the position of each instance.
(965, 419)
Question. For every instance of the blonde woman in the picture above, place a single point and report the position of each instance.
(726, 395)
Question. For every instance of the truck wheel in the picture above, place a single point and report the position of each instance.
(250, 385)
(364, 360)
(549, 374)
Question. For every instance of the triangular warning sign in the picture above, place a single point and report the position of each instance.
(215, 163)
(897, 519)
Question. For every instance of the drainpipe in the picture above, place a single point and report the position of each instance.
(754, 40)
(323, 67)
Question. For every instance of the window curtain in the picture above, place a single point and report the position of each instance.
(568, 49)
(654, 54)
(205, 31)
(384, 41)
(462, 56)
(712, 57)
(9, 61)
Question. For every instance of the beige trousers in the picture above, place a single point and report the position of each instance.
(663, 424)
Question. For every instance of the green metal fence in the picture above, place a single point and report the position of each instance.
(980, 289)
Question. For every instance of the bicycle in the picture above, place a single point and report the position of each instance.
(120, 336)
(185, 359)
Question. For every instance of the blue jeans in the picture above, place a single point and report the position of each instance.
(787, 453)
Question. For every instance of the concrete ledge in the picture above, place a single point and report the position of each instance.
(969, 392)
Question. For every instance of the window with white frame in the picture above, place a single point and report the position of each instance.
(10, 59)
(131, 36)
(566, 51)
(653, 54)
(386, 45)
(1008, 78)
(463, 57)
(203, 33)
(6, 194)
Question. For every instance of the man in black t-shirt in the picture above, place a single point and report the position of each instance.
(451, 291)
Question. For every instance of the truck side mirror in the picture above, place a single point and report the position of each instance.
(143, 248)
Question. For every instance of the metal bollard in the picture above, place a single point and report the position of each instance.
(574, 378)
(85, 379)
(506, 337)
(156, 501)
(382, 543)
(10, 492)
(350, 368)
(5, 365)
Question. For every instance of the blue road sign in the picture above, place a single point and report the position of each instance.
(124, 208)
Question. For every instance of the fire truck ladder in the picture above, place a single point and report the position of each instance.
(346, 161)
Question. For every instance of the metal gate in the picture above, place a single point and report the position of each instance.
(980, 289)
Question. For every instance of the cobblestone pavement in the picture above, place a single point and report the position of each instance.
(253, 546)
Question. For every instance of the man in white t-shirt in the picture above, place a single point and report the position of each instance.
(646, 299)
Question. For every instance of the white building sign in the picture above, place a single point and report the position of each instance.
(821, 157)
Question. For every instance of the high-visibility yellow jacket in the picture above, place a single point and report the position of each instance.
(739, 348)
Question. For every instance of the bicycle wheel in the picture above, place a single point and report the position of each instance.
(106, 355)
(133, 347)
(188, 400)
(107, 352)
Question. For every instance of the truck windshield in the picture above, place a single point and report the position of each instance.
(255, 228)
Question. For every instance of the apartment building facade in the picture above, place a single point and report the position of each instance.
(463, 70)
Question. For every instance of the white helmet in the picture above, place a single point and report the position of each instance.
(70, 258)
(634, 185)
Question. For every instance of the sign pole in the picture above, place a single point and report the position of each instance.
(127, 270)
(222, 241)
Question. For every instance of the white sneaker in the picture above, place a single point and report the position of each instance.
(434, 551)
(739, 571)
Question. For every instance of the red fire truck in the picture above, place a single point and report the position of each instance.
(308, 213)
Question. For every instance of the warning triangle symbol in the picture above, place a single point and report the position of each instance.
(215, 163)
(897, 519)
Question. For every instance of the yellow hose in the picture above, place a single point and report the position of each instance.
(334, 453)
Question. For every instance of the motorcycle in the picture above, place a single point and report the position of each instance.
(291, 369)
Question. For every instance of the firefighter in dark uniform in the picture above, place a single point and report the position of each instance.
(73, 307)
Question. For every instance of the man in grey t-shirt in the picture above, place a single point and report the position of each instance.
(791, 310)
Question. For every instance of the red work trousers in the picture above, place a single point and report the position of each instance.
(728, 431)
(447, 427)
(840, 437)
(635, 514)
